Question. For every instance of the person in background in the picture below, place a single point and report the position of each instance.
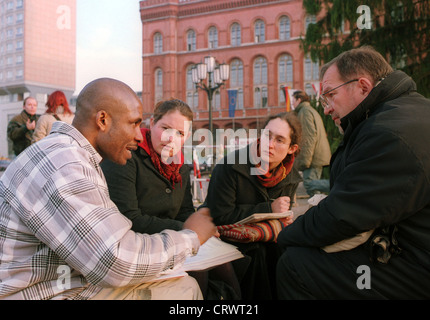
(235, 193)
(20, 129)
(57, 110)
(314, 149)
(153, 189)
(63, 237)
(380, 180)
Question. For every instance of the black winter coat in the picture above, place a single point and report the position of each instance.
(380, 175)
(235, 194)
(144, 196)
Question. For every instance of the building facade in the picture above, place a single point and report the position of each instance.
(259, 39)
(37, 55)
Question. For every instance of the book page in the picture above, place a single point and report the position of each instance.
(257, 217)
(212, 253)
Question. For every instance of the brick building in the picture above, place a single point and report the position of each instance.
(259, 39)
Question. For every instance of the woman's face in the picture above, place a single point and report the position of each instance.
(168, 134)
(278, 142)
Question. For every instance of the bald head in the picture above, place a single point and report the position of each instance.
(105, 94)
(108, 113)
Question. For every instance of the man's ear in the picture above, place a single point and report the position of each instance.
(103, 120)
(365, 86)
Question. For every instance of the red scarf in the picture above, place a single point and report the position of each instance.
(269, 179)
(169, 171)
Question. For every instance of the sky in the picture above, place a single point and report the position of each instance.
(109, 42)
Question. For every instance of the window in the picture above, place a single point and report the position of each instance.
(309, 20)
(259, 31)
(235, 35)
(311, 69)
(191, 40)
(260, 83)
(158, 43)
(192, 94)
(20, 17)
(158, 85)
(284, 28)
(213, 38)
(311, 75)
(285, 75)
(236, 81)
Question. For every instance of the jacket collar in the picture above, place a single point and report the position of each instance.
(302, 105)
(393, 86)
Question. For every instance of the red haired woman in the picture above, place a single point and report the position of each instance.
(57, 110)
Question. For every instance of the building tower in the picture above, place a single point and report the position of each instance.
(37, 55)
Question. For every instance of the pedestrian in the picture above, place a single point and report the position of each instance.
(379, 181)
(20, 129)
(315, 151)
(236, 191)
(63, 237)
(57, 110)
(153, 189)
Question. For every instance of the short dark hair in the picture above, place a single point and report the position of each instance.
(166, 106)
(301, 95)
(359, 62)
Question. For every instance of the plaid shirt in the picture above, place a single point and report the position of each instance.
(61, 237)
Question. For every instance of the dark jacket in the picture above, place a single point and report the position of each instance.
(234, 194)
(380, 175)
(19, 134)
(144, 196)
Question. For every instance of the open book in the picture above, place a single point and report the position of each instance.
(257, 217)
(212, 253)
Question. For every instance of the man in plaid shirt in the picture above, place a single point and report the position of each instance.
(61, 237)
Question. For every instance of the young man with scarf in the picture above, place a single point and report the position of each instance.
(238, 190)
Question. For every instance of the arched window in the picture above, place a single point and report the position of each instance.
(158, 85)
(236, 81)
(311, 75)
(191, 40)
(309, 20)
(259, 31)
(192, 94)
(235, 34)
(285, 75)
(284, 28)
(158, 43)
(213, 38)
(260, 82)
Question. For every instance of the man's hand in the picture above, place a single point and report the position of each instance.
(31, 125)
(201, 223)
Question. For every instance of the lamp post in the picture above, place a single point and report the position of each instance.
(221, 73)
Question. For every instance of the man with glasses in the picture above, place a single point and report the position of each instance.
(380, 186)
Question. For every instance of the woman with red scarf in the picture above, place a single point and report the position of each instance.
(153, 189)
(238, 190)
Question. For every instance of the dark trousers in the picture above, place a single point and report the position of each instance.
(310, 273)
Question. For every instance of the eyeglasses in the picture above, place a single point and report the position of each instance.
(323, 99)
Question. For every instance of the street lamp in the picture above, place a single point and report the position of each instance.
(200, 72)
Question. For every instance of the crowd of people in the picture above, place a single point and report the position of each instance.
(111, 201)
